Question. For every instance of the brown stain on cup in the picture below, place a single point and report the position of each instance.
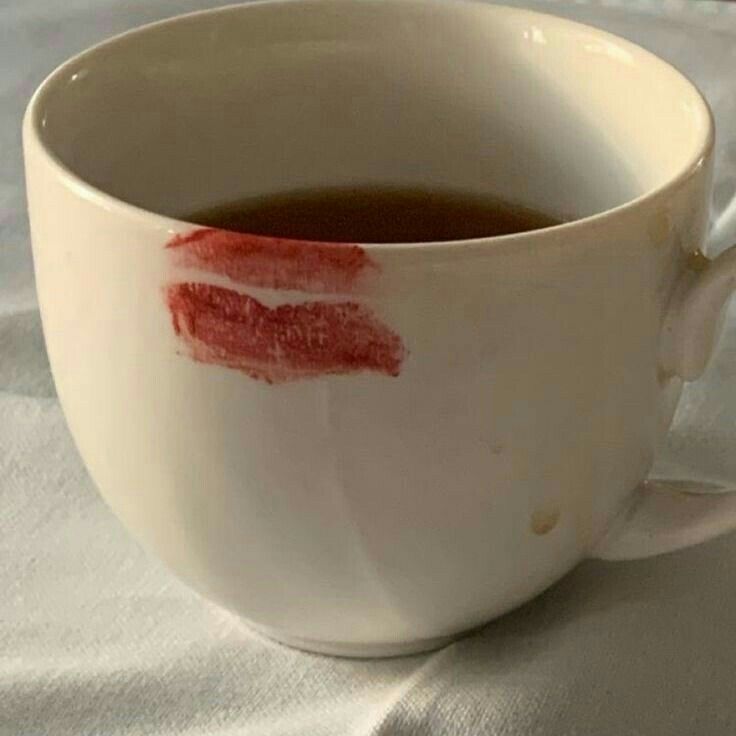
(660, 227)
(543, 521)
(664, 376)
(697, 261)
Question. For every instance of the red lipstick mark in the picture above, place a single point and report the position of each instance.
(283, 343)
(288, 342)
(274, 263)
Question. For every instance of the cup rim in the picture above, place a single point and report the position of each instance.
(33, 126)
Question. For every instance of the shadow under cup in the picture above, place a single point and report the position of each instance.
(372, 514)
(229, 104)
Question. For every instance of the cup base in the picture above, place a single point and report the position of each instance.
(356, 650)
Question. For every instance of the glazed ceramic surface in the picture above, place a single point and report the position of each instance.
(367, 449)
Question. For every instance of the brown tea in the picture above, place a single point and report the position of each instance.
(373, 215)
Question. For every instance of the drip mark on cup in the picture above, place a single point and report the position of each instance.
(544, 521)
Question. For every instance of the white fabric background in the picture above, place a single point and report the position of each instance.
(97, 638)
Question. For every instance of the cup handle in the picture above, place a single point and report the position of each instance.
(664, 516)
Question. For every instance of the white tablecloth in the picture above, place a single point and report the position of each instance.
(96, 637)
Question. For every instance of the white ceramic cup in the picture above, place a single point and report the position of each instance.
(368, 449)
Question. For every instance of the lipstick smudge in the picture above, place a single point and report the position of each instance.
(274, 263)
(283, 343)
